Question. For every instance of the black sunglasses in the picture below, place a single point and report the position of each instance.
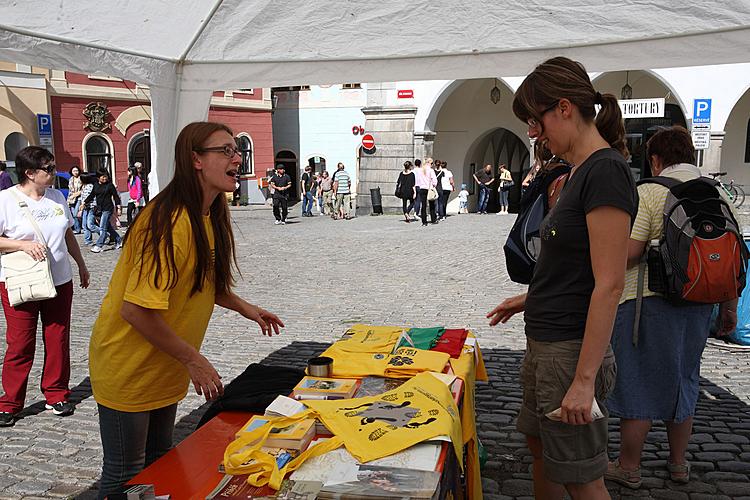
(48, 168)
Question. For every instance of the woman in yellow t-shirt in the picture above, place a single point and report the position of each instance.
(176, 264)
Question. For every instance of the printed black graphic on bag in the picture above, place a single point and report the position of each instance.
(396, 416)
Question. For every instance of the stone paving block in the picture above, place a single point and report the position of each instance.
(714, 456)
(517, 487)
(732, 438)
(705, 496)
(669, 495)
(725, 476)
(733, 489)
(735, 466)
(732, 448)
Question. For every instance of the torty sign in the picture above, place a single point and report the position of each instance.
(368, 141)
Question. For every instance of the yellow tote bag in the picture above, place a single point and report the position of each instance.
(370, 428)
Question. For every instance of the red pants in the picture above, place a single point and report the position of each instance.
(21, 344)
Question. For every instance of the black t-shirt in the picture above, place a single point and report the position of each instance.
(560, 291)
(484, 177)
(106, 197)
(281, 181)
(307, 181)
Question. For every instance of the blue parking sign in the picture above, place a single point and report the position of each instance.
(702, 111)
(44, 125)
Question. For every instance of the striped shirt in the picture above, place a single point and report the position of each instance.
(649, 223)
(343, 179)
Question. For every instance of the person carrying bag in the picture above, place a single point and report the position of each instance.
(26, 278)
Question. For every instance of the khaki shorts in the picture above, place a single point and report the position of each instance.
(572, 453)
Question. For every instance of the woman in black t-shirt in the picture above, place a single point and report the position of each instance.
(405, 189)
(578, 279)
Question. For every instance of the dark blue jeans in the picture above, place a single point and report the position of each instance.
(307, 203)
(484, 198)
(131, 442)
(104, 228)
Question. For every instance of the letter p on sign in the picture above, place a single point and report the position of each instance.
(702, 111)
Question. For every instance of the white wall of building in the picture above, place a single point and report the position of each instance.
(319, 122)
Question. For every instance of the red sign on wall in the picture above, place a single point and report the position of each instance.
(368, 141)
(406, 94)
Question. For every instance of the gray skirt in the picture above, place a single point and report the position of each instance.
(658, 379)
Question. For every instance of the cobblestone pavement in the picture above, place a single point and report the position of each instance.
(393, 273)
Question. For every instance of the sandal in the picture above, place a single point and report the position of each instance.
(679, 473)
(628, 478)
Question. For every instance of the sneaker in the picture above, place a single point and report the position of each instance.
(283, 223)
(276, 223)
(96, 249)
(61, 409)
(7, 419)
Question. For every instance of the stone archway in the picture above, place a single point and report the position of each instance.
(494, 147)
(735, 146)
(469, 128)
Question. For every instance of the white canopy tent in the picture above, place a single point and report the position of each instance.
(185, 49)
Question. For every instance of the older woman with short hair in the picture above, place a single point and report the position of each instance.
(49, 208)
(658, 378)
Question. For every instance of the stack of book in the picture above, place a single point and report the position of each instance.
(293, 437)
(237, 487)
(325, 388)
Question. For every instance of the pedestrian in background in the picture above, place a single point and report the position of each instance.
(425, 179)
(51, 214)
(86, 210)
(306, 183)
(342, 186)
(135, 193)
(483, 179)
(107, 204)
(326, 189)
(280, 183)
(448, 186)
(319, 192)
(5, 180)
(178, 263)
(571, 303)
(74, 197)
(144, 180)
(417, 200)
(406, 189)
(438, 167)
(463, 200)
(506, 182)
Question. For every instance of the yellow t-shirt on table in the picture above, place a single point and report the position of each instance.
(127, 372)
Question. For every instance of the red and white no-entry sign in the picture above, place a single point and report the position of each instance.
(368, 141)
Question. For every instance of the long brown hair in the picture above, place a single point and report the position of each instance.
(563, 78)
(184, 193)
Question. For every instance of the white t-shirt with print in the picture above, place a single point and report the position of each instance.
(463, 195)
(446, 180)
(53, 217)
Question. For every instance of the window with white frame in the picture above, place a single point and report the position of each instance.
(245, 147)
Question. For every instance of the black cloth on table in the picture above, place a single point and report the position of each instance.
(254, 389)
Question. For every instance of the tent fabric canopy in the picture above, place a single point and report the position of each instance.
(185, 49)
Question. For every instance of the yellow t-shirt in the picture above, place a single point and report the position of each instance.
(127, 372)
(649, 223)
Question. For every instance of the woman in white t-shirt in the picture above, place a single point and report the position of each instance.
(446, 182)
(49, 208)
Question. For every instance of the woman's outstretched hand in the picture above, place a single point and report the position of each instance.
(507, 309)
(269, 323)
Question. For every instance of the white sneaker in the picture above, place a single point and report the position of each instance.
(276, 223)
(283, 223)
(96, 249)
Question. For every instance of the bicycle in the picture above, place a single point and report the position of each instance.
(735, 193)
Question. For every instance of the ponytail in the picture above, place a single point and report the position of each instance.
(610, 125)
(563, 78)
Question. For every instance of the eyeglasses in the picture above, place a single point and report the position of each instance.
(533, 123)
(48, 168)
(229, 151)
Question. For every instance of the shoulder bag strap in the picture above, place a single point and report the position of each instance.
(639, 296)
(29, 216)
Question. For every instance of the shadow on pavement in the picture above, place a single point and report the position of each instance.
(77, 394)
